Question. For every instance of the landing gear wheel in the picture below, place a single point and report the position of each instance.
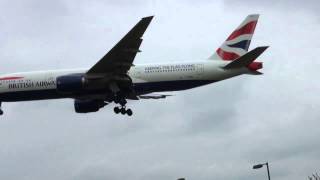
(123, 111)
(116, 110)
(129, 112)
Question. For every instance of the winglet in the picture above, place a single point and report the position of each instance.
(247, 58)
(141, 26)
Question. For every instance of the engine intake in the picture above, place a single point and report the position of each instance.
(86, 106)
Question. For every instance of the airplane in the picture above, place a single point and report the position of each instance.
(116, 79)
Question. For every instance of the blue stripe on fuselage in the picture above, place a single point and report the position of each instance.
(140, 88)
(30, 95)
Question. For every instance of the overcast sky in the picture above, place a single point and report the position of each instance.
(214, 132)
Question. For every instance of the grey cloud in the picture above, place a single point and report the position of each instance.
(288, 6)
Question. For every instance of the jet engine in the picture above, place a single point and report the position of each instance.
(70, 83)
(86, 106)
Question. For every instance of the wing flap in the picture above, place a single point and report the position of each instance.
(154, 96)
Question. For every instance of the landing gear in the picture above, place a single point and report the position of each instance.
(122, 109)
(1, 112)
(116, 110)
(129, 112)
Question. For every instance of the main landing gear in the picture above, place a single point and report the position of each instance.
(122, 108)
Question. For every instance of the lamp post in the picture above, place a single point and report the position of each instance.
(258, 166)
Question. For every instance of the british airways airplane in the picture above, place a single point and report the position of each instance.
(116, 79)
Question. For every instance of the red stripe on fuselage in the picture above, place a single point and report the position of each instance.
(227, 56)
(246, 29)
(10, 78)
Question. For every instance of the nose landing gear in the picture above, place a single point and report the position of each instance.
(1, 111)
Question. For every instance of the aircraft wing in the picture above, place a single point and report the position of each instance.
(120, 58)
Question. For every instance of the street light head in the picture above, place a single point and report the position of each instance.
(257, 166)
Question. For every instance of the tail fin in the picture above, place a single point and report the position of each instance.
(238, 42)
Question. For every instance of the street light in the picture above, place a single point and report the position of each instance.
(258, 166)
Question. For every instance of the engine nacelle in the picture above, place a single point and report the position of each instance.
(70, 83)
(86, 106)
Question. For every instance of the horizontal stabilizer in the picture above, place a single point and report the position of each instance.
(247, 58)
(255, 73)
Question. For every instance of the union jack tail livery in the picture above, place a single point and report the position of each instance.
(237, 44)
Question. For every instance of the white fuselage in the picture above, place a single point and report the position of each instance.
(150, 78)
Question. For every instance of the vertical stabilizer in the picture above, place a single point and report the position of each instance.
(238, 42)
